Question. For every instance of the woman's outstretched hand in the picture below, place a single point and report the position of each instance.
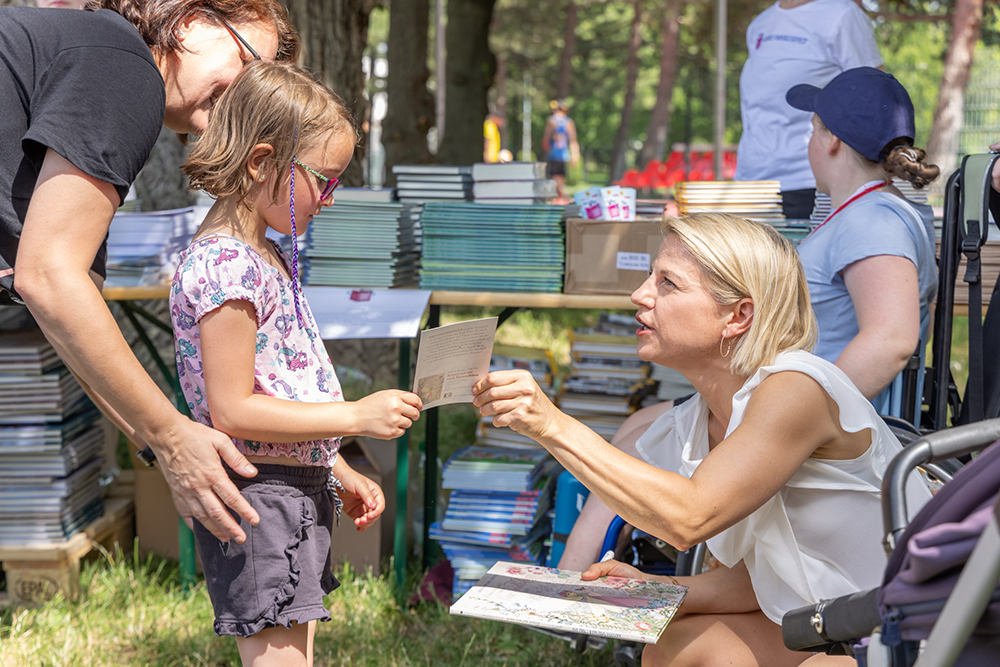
(514, 399)
(612, 568)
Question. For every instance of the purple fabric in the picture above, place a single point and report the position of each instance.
(929, 556)
(860, 649)
(944, 546)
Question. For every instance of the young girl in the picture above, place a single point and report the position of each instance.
(252, 364)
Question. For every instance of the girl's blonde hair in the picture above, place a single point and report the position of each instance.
(279, 104)
(742, 259)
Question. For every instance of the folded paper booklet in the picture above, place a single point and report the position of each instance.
(451, 359)
(544, 597)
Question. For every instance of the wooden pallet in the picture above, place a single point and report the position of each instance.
(36, 573)
(991, 271)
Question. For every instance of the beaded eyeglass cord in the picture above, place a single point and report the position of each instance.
(295, 248)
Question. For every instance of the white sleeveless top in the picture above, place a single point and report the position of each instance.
(820, 536)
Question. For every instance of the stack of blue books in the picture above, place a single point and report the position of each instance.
(144, 248)
(492, 248)
(361, 241)
(432, 182)
(50, 445)
(497, 510)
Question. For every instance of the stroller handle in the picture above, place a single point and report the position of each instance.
(933, 447)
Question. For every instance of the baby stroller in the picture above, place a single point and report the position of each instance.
(885, 627)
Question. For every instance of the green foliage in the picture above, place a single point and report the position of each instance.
(915, 57)
(530, 36)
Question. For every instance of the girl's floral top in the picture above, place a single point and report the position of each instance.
(291, 362)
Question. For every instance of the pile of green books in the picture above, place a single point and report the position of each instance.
(354, 243)
(492, 248)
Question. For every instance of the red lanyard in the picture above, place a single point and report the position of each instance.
(857, 195)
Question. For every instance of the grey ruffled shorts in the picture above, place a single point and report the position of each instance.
(280, 574)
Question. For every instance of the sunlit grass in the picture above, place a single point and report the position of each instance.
(132, 612)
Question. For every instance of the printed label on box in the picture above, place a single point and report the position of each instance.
(632, 261)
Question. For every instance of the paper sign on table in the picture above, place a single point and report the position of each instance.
(343, 312)
(451, 359)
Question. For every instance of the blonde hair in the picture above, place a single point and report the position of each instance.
(279, 104)
(742, 259)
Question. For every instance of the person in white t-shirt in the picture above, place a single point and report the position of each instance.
(793, 42)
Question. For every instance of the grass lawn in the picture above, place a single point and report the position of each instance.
(133, 613)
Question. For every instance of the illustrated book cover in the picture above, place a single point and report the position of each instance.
(629, 609)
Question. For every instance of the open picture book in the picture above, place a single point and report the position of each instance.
(544, 597)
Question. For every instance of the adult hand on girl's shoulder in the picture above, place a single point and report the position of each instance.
(514, 399)
(364, 501)
(200, 486)
(387, 414)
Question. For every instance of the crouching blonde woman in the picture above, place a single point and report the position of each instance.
(776, 462)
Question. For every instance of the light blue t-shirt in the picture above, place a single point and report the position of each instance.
(877, 224)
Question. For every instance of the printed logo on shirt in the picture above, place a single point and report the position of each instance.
(793, 39)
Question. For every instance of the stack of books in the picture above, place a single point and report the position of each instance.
(607, 378)
(494, 468)
(492, 248)
(497, 509)
(542, 367)
(670, 384)
(650, 208)
(50, 445)
(364, 240)
(432, 182)
(511, 183)
(144, 248)
(754, 200)
(821, 204)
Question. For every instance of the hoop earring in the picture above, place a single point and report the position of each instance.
(729, 348)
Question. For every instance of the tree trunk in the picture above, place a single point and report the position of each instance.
(501, 108)
(632, 72)
(334, 34)
(161, 185)
(942, 146)
(569, 48)
(469, 70)
(656, 132)
(411, 105)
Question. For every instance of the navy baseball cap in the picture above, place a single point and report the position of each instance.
(864, 107)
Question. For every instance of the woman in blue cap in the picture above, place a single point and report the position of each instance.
(870, 264)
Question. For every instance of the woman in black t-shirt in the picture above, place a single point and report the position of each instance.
(83, 96)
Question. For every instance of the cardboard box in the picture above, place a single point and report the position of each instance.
(156, 518)
(376, 460)
(609, 256)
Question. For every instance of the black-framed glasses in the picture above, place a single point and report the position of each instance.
(240, 39)
(327, 185)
